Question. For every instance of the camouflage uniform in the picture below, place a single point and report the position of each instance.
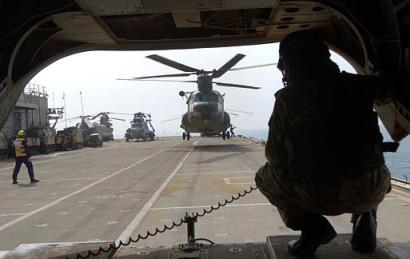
(324, 153)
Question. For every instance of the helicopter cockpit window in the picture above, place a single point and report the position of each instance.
(211, 97)
(138, 122)
(197, 97)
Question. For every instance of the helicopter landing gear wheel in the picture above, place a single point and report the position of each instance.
(188, 136)
(183, 135)
(228, 135)
(223, 135)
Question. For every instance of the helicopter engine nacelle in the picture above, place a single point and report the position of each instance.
(181, 93)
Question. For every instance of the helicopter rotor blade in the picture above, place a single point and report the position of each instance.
(79, 117)
(160, 76)
(251, 113)
(173, 64)
(248, 67)
(120, 113)
(117, 119)
(73, 118)
(254, 66)
(228, 65)
(178, 118)
(95, 116)
(236, 85)
(165, 80)
(234, 114)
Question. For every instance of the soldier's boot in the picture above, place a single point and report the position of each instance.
(364, 232)
(316, 231)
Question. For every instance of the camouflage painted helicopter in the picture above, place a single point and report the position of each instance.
(141, 127)
(103, 128)
(206, 114)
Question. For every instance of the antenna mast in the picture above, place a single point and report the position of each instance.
(65, 108)
(82, 104)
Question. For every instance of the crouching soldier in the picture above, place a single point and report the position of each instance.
(324, 150)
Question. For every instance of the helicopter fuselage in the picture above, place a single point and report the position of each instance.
(103, 130)
(138, 132)
(205, 113)
(139, 129)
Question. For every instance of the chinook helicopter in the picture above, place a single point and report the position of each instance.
(206, 114)
(103, 128)
(141, 127)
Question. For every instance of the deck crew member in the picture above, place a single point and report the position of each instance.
(231, 130)
(324, 149)
(23, 154)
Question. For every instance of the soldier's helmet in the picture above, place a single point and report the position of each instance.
(21, 134)
(302, 46)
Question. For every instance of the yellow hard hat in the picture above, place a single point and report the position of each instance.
(21, 134)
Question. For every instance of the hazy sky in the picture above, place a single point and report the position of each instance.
(94, 74)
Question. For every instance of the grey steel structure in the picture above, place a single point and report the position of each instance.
(31, 111)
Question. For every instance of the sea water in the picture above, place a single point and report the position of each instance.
(398, 162)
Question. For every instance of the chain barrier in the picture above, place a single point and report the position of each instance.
(113, 246)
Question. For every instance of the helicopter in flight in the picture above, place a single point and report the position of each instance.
(205, 114)
(141, 127)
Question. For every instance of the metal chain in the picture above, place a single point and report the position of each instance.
(226, 202)
(113, 246)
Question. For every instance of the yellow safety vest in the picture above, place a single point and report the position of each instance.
(19, 147)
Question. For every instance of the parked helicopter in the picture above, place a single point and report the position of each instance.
(104, 129)
(206, 114)
(141, 127)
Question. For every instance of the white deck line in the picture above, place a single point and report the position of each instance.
(12, 214)
(48, 160)
(208, 206)
(400, 194)
(400, 183)
(215, 173)
(29, 214)
(128, 231)
(62, 179)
